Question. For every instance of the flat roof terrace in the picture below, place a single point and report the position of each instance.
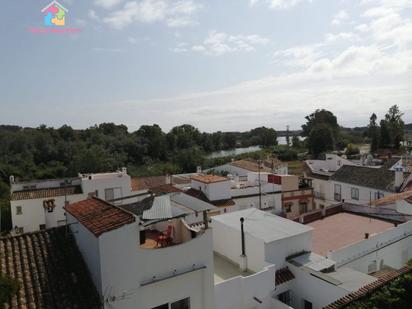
(343, 229)
(225, 269)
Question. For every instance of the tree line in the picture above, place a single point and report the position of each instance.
(323, 132)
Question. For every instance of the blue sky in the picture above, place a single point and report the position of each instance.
(219, 65)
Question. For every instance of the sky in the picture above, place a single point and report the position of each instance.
(228, 65)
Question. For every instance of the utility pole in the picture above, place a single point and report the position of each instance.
(287, 135)
(260, 186)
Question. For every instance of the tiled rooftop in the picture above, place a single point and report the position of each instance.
(99, 216)
(209, 178)
(45, 193)
(250, 165)
(283, 275)
(49, 269)
(151, 182)
(383, 280)
(342, 229)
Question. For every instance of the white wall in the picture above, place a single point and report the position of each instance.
(88, 245)
(227, 242)
(34, 213)
(214, 191)
(365, 194)
(276, 252)
(307, 287)
(268, 200)
(392, 248)
(238, 292)
(323, 191)
(125, 266)
(100, 182)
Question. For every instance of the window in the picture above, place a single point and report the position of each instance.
(354, 193)
(19, 210)
(378, 195)
(181, 304)
(338, 193)
(49, 205)
(284, 297)
(288, 208)
(109, 194)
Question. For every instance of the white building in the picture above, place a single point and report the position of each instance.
(129, 263)
(241, 168)
(231, 195)
(336, 179)
(37, 205)
(317, 263)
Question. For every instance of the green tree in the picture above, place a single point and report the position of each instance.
(396, 126)
(384, 136)
(8, 288)
(373, 132)
(323, 117)
(320, 139)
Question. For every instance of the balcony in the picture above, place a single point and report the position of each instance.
(167, 234)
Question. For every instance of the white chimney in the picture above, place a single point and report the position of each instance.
(199, 169)
(168, 179)
(11, 178)
(124, 170)
(398, 177)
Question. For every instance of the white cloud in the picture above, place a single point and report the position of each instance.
(342, 36)
(180, 48)
(132, 40)
(107, 4)
(340, 18)
(220, 43)
(93, 16)
(174, 13)
(279, 4)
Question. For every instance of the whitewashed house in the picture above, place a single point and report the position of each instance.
(130, 263)
(361, 185)
(231, 195)
(37, 205)
(332, 257)
(320, 171)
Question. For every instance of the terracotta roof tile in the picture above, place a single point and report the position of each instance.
(283, 275)
(209, 178)
(383, 280)
(47, 265)
(147, 183)
(45, 193)
(99, 216)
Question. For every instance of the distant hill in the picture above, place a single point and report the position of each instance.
(409, 127)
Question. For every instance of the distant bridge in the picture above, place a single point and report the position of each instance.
(291, 133)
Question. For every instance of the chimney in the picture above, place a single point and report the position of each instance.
(243, 258)
(11, 179)
(398, 177)
(124, 171)
(199, 169)
(168, 179)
